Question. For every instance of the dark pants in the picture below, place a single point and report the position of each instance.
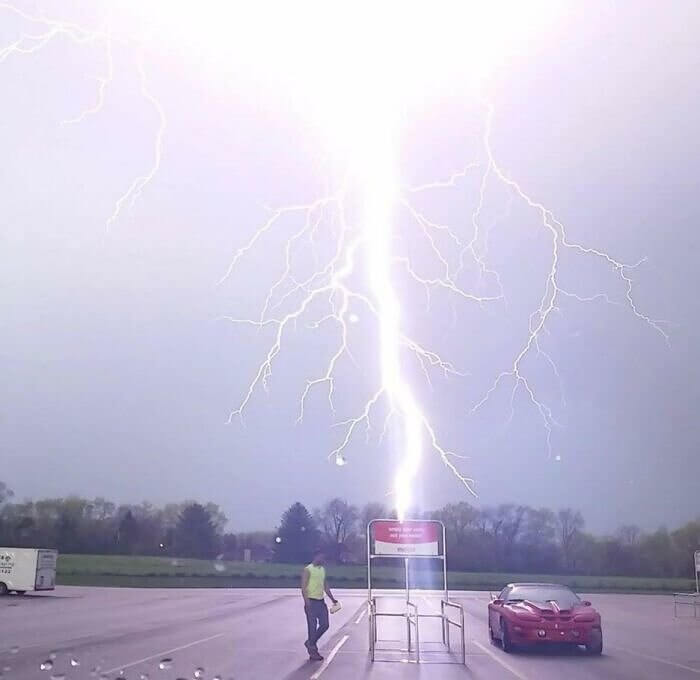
(316, 620)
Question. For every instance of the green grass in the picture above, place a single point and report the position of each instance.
(116, 570)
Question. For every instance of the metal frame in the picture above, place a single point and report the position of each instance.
(447, 622)
(411, 613)
(690, 599)
(686, 600)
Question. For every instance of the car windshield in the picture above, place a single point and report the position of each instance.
(564, 597)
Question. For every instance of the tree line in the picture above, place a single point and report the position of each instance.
(504, 538)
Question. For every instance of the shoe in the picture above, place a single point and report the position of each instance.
(313, 652)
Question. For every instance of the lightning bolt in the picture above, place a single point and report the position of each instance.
(44, 31)
(373, 244)
(370, 243)
(367, 270)
(552, 291)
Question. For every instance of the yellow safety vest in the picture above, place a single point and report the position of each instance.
(317, 581)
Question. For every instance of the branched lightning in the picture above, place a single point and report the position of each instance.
(137, 186)
(103, 84)
(365, 269)
(551, 293)
(30, 43)
(372, 243)
(47, 30)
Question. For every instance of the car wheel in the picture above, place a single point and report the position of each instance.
(3, 589)
(492, 637)
(595, 646)
(506, 643)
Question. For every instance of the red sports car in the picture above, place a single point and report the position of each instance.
(529, 613)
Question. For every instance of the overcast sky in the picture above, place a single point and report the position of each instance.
(117, 379)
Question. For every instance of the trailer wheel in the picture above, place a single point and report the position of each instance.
(3, 589)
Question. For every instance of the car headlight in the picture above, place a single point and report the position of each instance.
(541, 633)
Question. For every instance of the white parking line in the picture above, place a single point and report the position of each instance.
(329, 658)
(658, 659)
(361, 616)
(162, 654)
(500, 661)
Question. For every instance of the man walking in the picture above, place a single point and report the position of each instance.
(313, 587)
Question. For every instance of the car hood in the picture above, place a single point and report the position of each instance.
(548, 610)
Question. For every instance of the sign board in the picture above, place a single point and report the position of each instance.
(414, 538)
(697, 560)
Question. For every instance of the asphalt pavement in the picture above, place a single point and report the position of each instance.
(241, 634)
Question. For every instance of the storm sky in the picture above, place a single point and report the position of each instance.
(117, 375)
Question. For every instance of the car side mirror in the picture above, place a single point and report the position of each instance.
(496, 601)
(586, 603)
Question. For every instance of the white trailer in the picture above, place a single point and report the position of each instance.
(23, 569)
